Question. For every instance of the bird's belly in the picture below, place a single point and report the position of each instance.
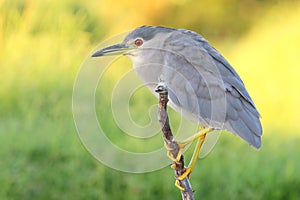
(182, 95)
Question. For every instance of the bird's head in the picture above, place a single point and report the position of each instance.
(144, 37)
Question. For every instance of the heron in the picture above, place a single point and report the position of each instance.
(201, 83)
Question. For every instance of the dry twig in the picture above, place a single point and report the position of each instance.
(179, 169)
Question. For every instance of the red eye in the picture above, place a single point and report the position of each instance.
(138, 42)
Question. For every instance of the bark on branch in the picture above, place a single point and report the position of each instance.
(179, 169)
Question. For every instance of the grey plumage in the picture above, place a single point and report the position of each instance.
(147, 32)
(202, 84)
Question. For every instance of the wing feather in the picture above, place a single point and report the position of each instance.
(221, 94)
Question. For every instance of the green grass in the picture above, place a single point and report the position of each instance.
(43, 158)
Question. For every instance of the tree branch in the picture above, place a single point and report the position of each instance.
(172, 145)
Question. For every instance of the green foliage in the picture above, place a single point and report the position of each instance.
(43, 158)
(44, 44)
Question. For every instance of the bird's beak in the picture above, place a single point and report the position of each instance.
(116, 49)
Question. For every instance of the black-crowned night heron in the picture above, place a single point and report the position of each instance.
(202, 85)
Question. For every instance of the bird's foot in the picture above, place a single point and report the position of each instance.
(174, 153)
(185, 174)
(177, 184)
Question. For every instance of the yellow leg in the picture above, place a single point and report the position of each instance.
(203, 131)
(182, 145)
(197, 151)
(193, 161)
(201, 138)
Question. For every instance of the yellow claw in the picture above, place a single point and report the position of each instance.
(186, 173)
(181, 177)
(174, 159)
(177, 184)
(200, 137)
(167, 147)
(181, 145)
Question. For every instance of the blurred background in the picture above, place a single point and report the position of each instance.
(42, 45)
